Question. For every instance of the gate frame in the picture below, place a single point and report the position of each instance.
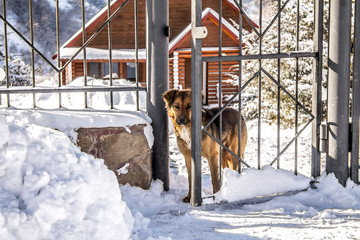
(338, 90)
(354, 167)
(196, 90)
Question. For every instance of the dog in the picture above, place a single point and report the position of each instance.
(178, 105)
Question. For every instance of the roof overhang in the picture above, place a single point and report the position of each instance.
(206, 14)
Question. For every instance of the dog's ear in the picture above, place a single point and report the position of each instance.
(202, 96)
(169, 97)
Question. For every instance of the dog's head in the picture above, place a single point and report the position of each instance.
(178, 104)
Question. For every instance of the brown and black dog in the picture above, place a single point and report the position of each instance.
(178, 104)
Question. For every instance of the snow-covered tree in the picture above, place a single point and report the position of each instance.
(19, 71)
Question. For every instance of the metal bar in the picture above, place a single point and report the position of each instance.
(220, 90)
(338, 89)
(110, 54)
(58, 45)
(196, 104)
(317, 87)
(3, 18)
(230, 100)
(247, 18)
(292, 140)
(278, 90)
(6, 53)
(31, 26)
(94, 34)
(297, 85)
(136, 52)
(64, 89)
(259, 98)
(354, 167)
(240, 83)
(226, 148)
(276, 16)
(234, 58)
(157, 79)
(287, 92)
(83, 22)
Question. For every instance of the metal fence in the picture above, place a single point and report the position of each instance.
(9, 90)
(157, 74)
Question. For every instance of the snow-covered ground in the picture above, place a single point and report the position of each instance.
(49, 189)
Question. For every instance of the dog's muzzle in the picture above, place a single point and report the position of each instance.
(182, 121)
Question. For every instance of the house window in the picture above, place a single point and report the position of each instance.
(130, 69)
(115, 70)
(93, 69)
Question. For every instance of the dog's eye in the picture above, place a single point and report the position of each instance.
(188, 107)
(177, 107)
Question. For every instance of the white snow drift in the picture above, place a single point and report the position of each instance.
(51, 190)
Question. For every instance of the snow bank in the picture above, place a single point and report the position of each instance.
(253, 183)
(51, 190)
(68, 121)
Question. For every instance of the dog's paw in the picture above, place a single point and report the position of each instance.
(186, 199)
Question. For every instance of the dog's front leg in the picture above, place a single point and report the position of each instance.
(188, 167)
(187, 154)
(214, 171)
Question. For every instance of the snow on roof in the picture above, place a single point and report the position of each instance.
(208, 12)
(95, 53)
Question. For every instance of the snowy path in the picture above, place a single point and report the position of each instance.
(314, 214)
(328, 212)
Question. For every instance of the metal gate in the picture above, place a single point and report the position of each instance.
(315, 115)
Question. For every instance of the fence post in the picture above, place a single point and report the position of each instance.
(157, 79)
(196, 103)
(316, 97)
(354, 167)
(338, 89)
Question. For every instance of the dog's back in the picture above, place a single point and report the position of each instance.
(230, 123)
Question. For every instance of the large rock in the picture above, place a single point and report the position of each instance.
(121, 148)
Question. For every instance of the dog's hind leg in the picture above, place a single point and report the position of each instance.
(229, 160)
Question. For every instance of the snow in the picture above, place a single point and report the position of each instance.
(236, 186)
(49, 189)
(103, 54)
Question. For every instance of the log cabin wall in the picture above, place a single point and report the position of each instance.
(178, 74)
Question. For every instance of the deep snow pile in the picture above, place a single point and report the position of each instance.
(51, 190)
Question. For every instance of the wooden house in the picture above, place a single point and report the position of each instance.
(123, 44)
